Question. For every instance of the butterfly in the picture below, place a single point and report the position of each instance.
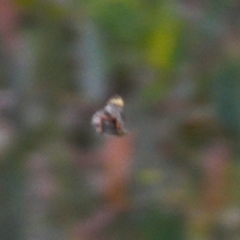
(110, 119)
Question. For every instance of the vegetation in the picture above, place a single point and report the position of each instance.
(175, 175)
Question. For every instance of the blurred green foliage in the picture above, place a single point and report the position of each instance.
(177, 65)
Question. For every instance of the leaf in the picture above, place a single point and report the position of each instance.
(163, 41)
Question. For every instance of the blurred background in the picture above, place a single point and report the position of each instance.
(176, 175)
